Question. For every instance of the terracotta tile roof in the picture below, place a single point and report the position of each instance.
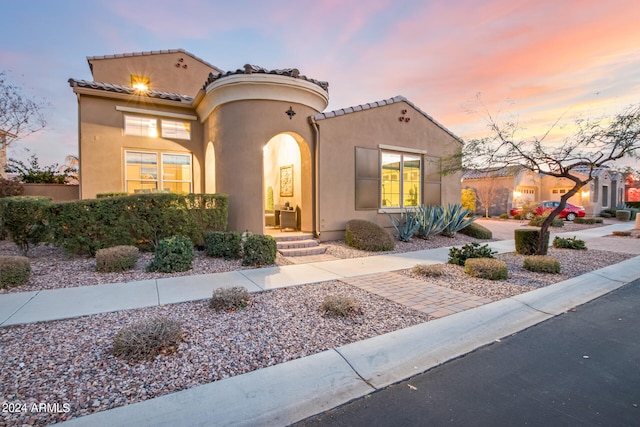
(108, 87)
(150, 52)
(370, 105)
(253, 69)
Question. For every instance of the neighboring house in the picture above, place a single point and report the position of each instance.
(169, 121)
(502, 188)
(521, 186)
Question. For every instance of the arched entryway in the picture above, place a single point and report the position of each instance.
(287, 183)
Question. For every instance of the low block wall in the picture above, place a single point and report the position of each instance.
(58, 192)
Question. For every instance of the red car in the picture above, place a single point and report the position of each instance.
(570, 212)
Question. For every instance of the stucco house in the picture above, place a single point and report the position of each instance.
(518, 186)
(170, 121)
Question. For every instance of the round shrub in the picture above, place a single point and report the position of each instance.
(148, 338)
(368, 236)
(458, 256)
(486, 268)
(116, 258)
(428, 270)
(235, 298)
(172, 254)
(541, 264)
(569, 243)
(14, 271)
(26, 220)
(478, 231)
(223, 244)
(340, 306)
(527, 241)
(259, 250)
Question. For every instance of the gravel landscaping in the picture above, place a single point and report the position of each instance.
(70, 361)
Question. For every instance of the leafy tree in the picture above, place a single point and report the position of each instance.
(596, 143)
(19, 116)
(33, 173)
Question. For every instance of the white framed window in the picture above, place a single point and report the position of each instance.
(176, 173)
(140, 126)
(176, 129)
(142, 167)
(401, 179)
(141, 171)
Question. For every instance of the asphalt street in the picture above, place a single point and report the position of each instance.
(581, 368)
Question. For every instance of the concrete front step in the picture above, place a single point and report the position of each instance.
(293, 237)
(291, 244)
(318, 250)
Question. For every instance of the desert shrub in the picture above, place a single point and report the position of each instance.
(26, 220)
(116, 258)
(428, 270)
(368, 236)
(235, 298)
(458, 256)
(172, 254)
(623, 215)
(486, 268)
(14, 271)
(340, 306)
(504, 216)
(604, 214)
(455, 218)
(10, 188)
(223, 244)
(625, 233)
(541, 264)
(537, 221)
(569, 243)
(527, 239)
(148, 338)
(477, 230)
(259, 250)
(406, 225)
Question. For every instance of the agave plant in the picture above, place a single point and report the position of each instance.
(406, 224)
(454, 217)
(431, 220)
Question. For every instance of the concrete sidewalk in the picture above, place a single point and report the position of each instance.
(56, 304)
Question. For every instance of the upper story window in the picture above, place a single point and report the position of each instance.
(176, 129)
(140, 126)
(146, 126)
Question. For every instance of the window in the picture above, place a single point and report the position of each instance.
(146, 126)
(141, 172)
(176, 173)
(140, 126)
(176, 129)
(401, 179)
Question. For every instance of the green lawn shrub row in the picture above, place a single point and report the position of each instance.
(223, 244)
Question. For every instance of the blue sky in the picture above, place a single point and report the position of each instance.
(537, 60)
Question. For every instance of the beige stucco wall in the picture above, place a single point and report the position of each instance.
(161, 69)
(369, 128)
(103, 143)
(239, 131)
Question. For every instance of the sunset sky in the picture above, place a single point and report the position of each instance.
(536, 60)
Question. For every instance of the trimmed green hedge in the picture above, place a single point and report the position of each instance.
(26, 220)
(84, 226)
(527, 241)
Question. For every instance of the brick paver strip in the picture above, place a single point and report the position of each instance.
(436, 301)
